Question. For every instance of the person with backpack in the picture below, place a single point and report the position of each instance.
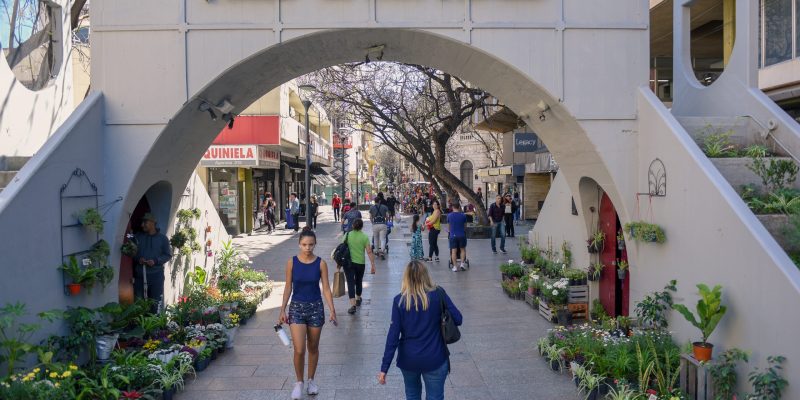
(357, 245)
(378, 213)
(417, 336)
(349, 217)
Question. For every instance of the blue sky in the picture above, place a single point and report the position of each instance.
(5, 10)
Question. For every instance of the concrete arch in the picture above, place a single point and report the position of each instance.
(182, 142)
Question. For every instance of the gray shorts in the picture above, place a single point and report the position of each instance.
(307, 313)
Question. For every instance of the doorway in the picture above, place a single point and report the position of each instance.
(614, 292)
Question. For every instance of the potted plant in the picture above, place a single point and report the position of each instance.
(208, 228)
(203, 359)
(130, 247)
(594, 271)
(723, 373)
(769, 384)
(76, 273)
(620, 240)
(590, 384)
(646, 232)
(595, 243)
(709, 312)
(622, 266)
(91, 219)
(231, 324)
(554, 354)
(598, 311)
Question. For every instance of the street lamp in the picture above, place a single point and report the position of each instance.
(357, 171)
(306, 90)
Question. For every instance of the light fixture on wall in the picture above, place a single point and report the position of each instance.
(224, 107)
(543, 107)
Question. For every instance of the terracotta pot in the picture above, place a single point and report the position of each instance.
(702, 351)
(74, 289)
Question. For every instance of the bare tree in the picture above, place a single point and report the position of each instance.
(412, 109)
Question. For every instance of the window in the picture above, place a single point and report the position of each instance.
(776, 25)
(466, 172)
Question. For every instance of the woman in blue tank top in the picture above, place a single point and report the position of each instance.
(306, 312)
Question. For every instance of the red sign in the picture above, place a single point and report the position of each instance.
(240, 156)
(342, 142)
(252, 129)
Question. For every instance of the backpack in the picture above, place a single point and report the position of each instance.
(379, 218)
(341, 254)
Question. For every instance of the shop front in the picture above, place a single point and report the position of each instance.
(238, 178)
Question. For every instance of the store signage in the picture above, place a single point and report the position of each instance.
(525, 142)
(241, 156)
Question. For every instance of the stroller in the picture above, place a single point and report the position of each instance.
(389, 226)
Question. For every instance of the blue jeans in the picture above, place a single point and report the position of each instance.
(499, 229)
(434, 383)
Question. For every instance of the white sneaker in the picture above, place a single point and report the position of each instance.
(312, 388)
(463, 267)
(454, 269)
(297, 392)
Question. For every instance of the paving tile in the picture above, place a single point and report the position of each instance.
(495, 360)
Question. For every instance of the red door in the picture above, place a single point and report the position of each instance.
(614, 293)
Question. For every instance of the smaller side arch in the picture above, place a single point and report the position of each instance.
(467, 174)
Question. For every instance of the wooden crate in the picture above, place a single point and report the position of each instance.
(545, 311)
(579, 294)
(579, 310)
(531, 300)
(695, 378)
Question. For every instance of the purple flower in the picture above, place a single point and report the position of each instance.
(189, 350)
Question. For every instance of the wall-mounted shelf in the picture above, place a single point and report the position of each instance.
(78, 193)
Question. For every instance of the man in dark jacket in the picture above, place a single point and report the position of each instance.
(153, 251)
(496, 215)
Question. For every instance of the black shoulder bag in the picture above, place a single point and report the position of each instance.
(450, 331)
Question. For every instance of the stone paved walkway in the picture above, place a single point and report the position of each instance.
(495, 358)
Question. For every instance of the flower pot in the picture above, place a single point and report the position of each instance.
(621, 273)
(231, 334)
(168, 394)
(564, 317)
(530, 291)
(104, 345)
(74, 289)
(243, 321)
(594, 394)
(221, 350)
(555, 365)
(591, 249)
(208, 229)
(702, 351)
(214, 354)
(201, 365)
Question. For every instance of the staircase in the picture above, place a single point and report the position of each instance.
(9, 166)
(745, 131)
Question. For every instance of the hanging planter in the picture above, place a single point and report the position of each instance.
(622, 270)
(646, 232)
(91, 219)
(74, 289)
(596, 242)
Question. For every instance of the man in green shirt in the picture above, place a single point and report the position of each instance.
(358, 243)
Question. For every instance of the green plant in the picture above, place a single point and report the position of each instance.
(99, 253)
(724, 373)
(130, 247)
(205, 354)
(623, 392)
(598, 311)
(91, 219)
(566, 254)
(791, 233)
(622, 265)
(589, 383)
(553, 353)
(775, 175)
(646, 232)
(756, 150)
(663, 372)
(512, 269)
(74, 271)
(709, 310)
(596, 241)
(718, 144)
(14, 335)
(172, 375)
(595, 269)
(651, 311)
(103, 386)
(769, 384)
(786, 201)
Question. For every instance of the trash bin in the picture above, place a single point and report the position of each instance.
(289, 220)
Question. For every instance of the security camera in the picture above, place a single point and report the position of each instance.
(542, 106)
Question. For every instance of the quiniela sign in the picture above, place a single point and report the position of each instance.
(240, 156)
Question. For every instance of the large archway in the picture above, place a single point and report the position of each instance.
(182, 142)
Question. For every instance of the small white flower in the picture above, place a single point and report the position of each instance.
(555, 292)
(510, 261)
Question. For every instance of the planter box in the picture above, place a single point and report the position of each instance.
(775, 223)
(736, 172)
(478, 232)
(695, 378)
(579, 294)
(546, 312)
(579, 310)
(531, 300)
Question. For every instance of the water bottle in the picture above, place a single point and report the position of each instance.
(282, 335)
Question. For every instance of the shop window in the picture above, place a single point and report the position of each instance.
(30, 34)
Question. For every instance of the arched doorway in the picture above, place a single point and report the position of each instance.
(614, 291)
(466, 172)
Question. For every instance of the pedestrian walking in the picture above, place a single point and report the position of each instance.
(434, 226)
(336, 203)
(497, 216)
(313, 212)
(294, 210)
(457, 221)
(416, 252)
(322, 198)
(306, 315)
(415, 334)
(350, 217)
(509, 210)
(153, 250)
(378, 214)
(391, 204)
(358, 243)
(269, 212)
(518, 208)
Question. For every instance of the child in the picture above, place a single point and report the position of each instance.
(417, 253)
